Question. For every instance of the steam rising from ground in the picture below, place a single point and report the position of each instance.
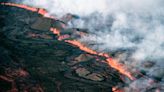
(136, 26)
(117, 23)
(80, 7)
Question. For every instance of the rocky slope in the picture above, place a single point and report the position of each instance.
(34, 60)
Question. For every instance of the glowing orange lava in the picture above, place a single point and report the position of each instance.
(55, 31)
(120, 67)
(104, 55)
(81, 46)
(113, 63)
(62, 37)
(115, 89)
(41, 11)
(21, 6)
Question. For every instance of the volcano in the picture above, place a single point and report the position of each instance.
(34, 59)
(41, 52)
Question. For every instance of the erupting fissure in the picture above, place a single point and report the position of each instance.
(41, 11)
(113, 63)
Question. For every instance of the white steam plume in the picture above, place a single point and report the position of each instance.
(80, 7)
(134, 25)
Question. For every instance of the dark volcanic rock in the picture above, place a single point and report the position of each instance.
(33, 60)
(42, 24)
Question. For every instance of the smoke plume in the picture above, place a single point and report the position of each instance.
(133, 26)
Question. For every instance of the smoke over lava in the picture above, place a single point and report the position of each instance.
(132, 26)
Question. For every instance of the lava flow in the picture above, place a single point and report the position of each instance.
(115, 89)
(41, 11)
(113, 63)
(81, 46)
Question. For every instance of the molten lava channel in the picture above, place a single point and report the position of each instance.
(113, 63)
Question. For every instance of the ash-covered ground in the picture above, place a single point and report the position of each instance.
(35, 61)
